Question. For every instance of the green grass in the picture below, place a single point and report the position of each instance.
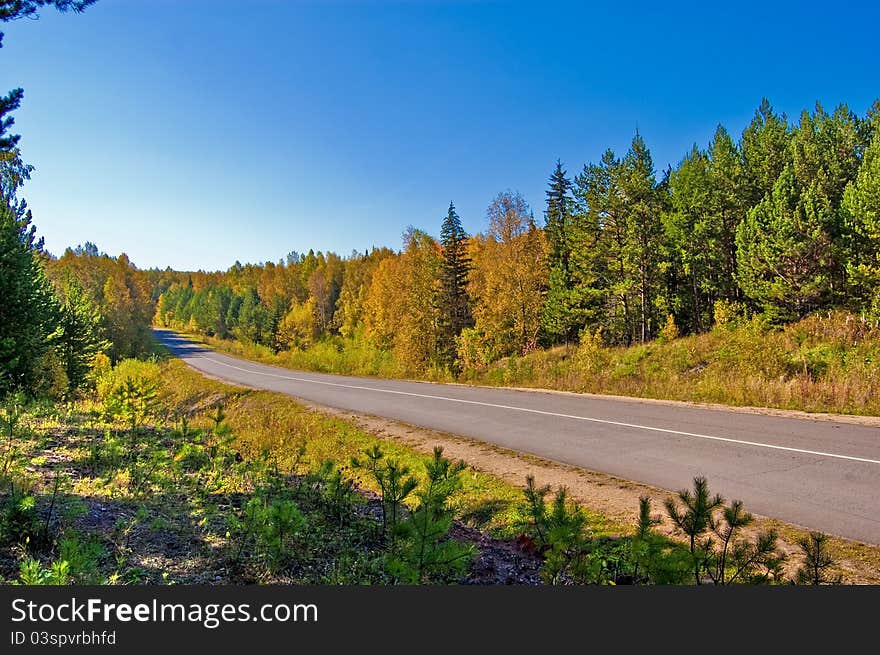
(138, 485)
(267, 422)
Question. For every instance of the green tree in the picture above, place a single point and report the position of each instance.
(455, 311)
(601, 201)
(81, 335)
(694, 519)
(643, 204)
(252, 318)
(28, 309)
(560, 321)
(792, 245)
(861, 210)
(764, 151)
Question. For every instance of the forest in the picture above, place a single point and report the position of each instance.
(780, 223)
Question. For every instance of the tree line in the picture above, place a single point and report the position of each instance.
(782, 222)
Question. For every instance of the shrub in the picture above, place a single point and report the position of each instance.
(559, 532)
(395, 485)
(426, 553)
(32, 572)
(819, 564)
(267, 528)
(732, 558)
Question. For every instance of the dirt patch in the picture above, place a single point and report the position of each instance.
(614, 498)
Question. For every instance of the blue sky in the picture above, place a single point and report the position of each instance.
(193, 133)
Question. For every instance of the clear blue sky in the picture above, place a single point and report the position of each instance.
(193, 133)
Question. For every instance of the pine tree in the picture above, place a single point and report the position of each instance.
(455, 311)
(602, 204)
(643, 204)
(785, 255)
(81, 334)
(706, 206)
(861, 209)
(727, 204)
(764, 151)
(28, 309)
(791, 247)
(689, 232)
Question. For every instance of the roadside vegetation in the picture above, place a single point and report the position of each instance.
(827, 362)
(160, 476)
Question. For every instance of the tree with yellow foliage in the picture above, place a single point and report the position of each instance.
(508, 278)
(400, 311)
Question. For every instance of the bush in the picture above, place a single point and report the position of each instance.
(731, 558)
(425, 552)
(559, 532)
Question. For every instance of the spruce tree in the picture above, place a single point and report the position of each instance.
(560, 321)
(455, 311)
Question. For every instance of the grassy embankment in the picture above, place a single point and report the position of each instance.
(825, 363)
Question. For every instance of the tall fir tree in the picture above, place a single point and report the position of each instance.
(454, 310)
(560, 321)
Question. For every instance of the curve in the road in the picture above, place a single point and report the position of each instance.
(821, 474)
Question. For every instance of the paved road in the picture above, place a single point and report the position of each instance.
(820, 474)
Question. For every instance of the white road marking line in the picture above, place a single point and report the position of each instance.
(545, 413)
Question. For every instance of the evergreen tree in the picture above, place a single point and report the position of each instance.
(455, 311)
(601, 199)
(786, 256)
(792, 244)
(28, 309)
(81, 334)
(690, 241)
(706, 201)
(728, 209)
(560, 321)
(764, 152)
(643, 205)
(861, 208)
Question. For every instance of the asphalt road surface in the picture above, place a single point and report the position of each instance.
(820, 474)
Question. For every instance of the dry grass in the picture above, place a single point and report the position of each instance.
(828, 363)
